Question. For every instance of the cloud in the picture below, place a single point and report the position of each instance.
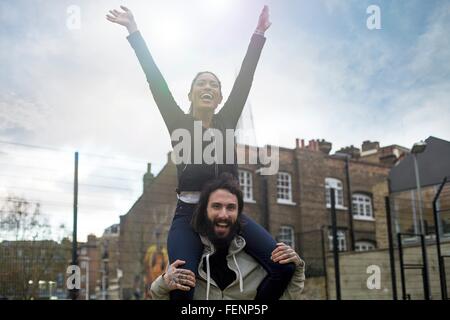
(358, 86)
(22, 113)
(432, 50)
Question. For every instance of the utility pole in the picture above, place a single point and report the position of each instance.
(74, 292)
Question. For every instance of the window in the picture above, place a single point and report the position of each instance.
(364, 246)
(342, 242)
(362, 206)
(284, 188)
(246, 182)
(286, 235)
(339, 193)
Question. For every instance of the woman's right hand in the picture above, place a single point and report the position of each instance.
(124, 18)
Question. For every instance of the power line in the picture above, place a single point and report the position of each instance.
(90, 154)
(33, 146)
(40, 190)
(62, 182)
(93, 175)
(55, 203)
(54, 170)
(26, 166)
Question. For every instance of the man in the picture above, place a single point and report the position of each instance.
(226, 271)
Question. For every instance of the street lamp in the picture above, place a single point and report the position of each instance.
(30, 289)
(417, 148)
(51, 284)
(85, 264)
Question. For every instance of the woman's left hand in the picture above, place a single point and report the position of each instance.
(285, 254)
(263, 22)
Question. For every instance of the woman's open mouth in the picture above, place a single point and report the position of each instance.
(207, 97)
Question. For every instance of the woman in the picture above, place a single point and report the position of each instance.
(205, 95)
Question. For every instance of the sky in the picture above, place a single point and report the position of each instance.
(69, 81)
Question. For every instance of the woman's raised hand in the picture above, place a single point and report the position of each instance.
(263, 22)
(124, 18)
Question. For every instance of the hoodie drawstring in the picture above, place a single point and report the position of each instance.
(241, 283)
(208, 277)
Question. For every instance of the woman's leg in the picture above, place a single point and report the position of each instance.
(260, 244)
(184, 243)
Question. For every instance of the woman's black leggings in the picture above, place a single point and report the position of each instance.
(184, 243)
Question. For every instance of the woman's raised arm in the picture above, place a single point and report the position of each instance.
(232, 108)
(167, 106)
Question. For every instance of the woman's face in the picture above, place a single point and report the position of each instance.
(205, 92)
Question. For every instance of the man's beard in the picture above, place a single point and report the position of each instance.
(221, 242)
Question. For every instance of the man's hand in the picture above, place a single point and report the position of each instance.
(263, 22)
(285, 254)
(124, 18)
(181, 279)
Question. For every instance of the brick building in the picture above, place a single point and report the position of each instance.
(292, 204)
(89, 262)
(99, 262)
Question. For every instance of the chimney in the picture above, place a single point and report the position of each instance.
(303, 143)
(91, 239)
(297, 143)
(352, 151)
(148, 176)
(325, 146)
(311, 145)
(369, 145)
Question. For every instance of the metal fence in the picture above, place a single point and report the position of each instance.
(412, 265)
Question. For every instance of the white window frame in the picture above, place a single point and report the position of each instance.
(361, 246)
(337, 185)
(342, 241)
(286, 234)
(362, 208)
(286, 190)
(247, 188)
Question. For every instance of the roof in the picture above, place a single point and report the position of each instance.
(433, 163)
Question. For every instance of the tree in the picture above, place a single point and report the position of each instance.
(30, 260)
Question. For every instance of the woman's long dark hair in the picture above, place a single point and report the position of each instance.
(225, 181)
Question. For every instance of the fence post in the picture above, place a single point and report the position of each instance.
(335, 245)
(402, 269)
(426, 282)
(324, 261)
(391, 248)
(442, 276)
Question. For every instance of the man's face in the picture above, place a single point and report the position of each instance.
(222, 212)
